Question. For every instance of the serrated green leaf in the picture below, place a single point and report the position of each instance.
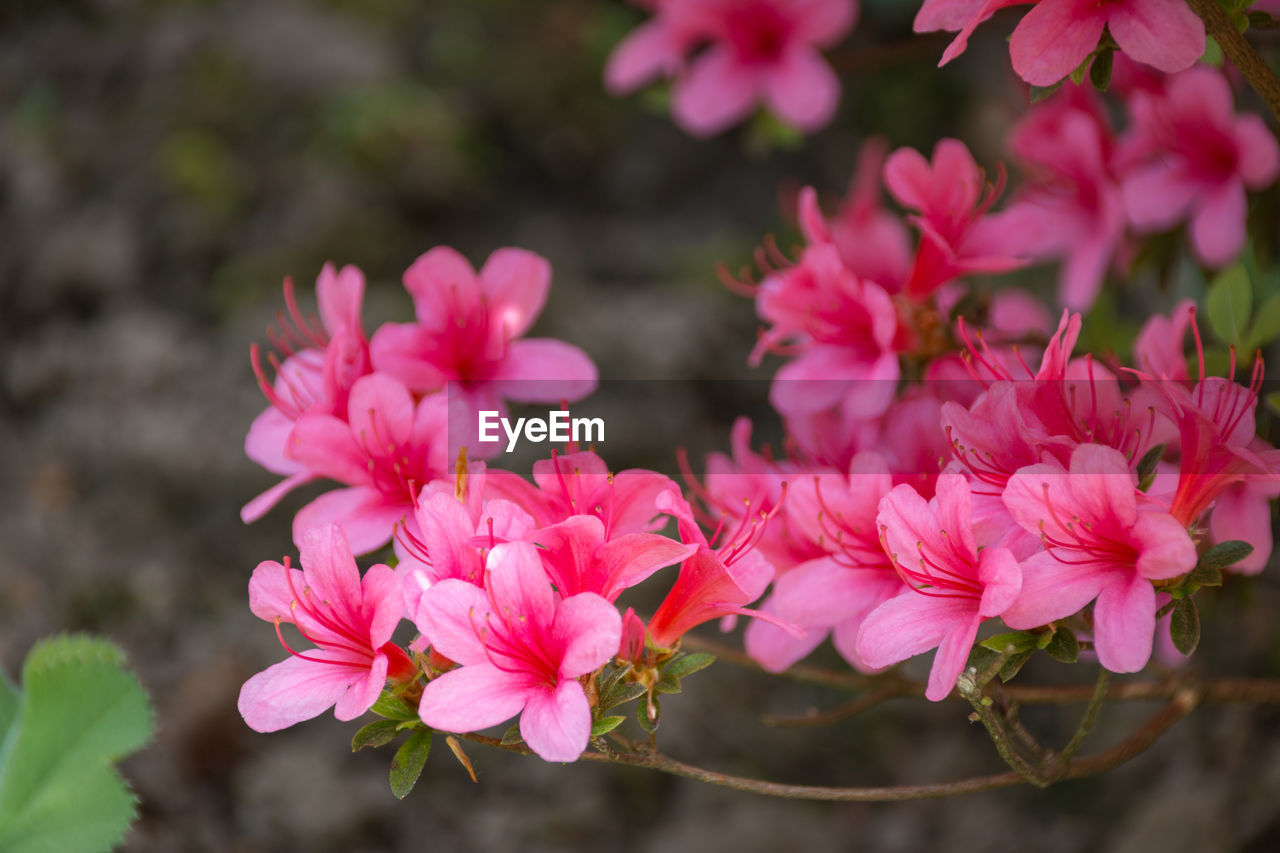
(377, 733)
(1064, 646)
(1020, 640)
(408, 762)
(1100, 70)
(1266, 324)
(1184, 626)
(80, 710)
(604, 725)
(1229, 304)
(621, 693)
(393, 708)
(1205, 576)
(687, 665)
(1224, 554)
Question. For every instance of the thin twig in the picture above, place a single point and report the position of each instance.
(1069, 751)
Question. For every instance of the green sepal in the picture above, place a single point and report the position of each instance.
(604, 725)
(1184, 626)
(408, 762)
(375, 734)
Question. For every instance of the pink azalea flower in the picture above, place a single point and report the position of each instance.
(832, 594)
(1203, 158)
(953, 585)
(349, 619)
(386, 451)
(1158, 349)
(469, 332)
(321, 362)
(1243, 511)
(522, 649)
(578, 559)
(580, 483)
(1072, 207)
(761, 50)
(1099, 543)
(951, 200)
(713, 582)
(1056, 36)
(656, 48)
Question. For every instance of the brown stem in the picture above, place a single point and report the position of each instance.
(1183, 701)
(1240, 52)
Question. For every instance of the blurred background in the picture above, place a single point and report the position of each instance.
(163, 165)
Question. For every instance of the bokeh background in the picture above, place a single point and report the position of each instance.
(164, 164)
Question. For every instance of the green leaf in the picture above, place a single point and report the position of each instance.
(621, 693)
(1224, 554)
(1273, 401)
(1266, 324)
(686, 665)
(512, 735)
(1014, 664)
(1020, 640)
(1147, 466)
(604, 725)
(80, 710)
(393, 708)
(408, 762)
(1229, 304)
(1184, 626)
(1212, 52)
(10, 702)
(1039, 93)
(377, 733)
(642, 716)
(667, 684)
(1100, 70)
(1064, 647)
(1205, 576)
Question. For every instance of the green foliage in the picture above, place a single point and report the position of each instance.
(79, 711)
(408, 762)
(1147, 466)
(1184, 626)
(378, 733)
(393, 708)
(1230, 302)
(685, 665)
(1224, 554)
(1063, 646)
(604, 725)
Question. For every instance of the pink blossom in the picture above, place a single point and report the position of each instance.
(349, 619)
(522, 649)
(834, 593)
(713, 582)
(1158, 349)
(469, 333)
(1099, 543)
(580, 483)
(951, 200)
(322, 360)
(657, 48)
(1072, 207)
(1243, 511)
(578, 559)
(761, 50)
(1202, 159)
(386, 451)
(1056, 36)
(952, 584)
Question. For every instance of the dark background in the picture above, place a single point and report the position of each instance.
(164, 164)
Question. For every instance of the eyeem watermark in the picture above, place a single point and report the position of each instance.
(557, 426)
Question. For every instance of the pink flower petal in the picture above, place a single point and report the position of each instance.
(382, 603)
(1165, 34)
(824, 22)
(1166, 548)
(1259, 153)
(364, 514)
(262, 504)
(292, 691)
(650, 50)
(589, 630)
(516, 282)
(268, 439)
(1124, 622)
(331, 573)
(1218, 226)
(716, 93)
(452, 614)
(1052, 590)
(380, 413)
(398, 349)
(363, 691)
(340, 294)
(270, 596)
(627, 560)
(909, 624)
(435, 280)
(518, 583)
(476, 697)
(1054, 38)
(324, 444)
(802, 89)
(446, 531)
(1157, 197)
(950, 660)
(557, 724)
(544, 370)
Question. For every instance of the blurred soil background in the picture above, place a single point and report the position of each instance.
(163, 165)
